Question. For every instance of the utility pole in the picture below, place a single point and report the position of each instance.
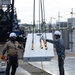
(71, 32)
(59, 20)
(51, 20)
(71, 12)
(50, 25)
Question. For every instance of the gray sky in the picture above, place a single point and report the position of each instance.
(52, 7)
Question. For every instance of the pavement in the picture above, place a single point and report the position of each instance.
(46, 67)
(51, 67)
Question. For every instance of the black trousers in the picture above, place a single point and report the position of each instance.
(61, 64)
(11, 62)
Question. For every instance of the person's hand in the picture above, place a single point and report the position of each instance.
(3, 57)
(23, 50)
(43, 38)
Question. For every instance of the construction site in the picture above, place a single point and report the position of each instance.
(38, 57)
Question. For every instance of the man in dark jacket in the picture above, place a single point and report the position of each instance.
(60, 49)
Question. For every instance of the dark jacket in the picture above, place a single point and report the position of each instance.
(59, 45)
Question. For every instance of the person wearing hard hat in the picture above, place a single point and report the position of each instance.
(60, 49)
(11, 47)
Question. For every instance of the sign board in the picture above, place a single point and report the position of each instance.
(5, 2)
(38, 54)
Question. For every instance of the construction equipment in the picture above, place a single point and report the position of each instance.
(8, 21)
(32, 47)
(39, 25)
(43, 24)
(41, 44)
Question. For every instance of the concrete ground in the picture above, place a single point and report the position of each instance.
(26, 68)
(49, 67)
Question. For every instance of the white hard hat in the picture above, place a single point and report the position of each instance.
(12, 35)
(57, 33)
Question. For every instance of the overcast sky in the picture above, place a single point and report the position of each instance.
(52, 7)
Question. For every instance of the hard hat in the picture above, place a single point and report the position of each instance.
(12, 35)
(57, 33)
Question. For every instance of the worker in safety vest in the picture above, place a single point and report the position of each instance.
(60, 49)
(11, 47)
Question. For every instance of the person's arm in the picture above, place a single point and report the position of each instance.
(21, 47)
(51, 41)
(4, 50)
